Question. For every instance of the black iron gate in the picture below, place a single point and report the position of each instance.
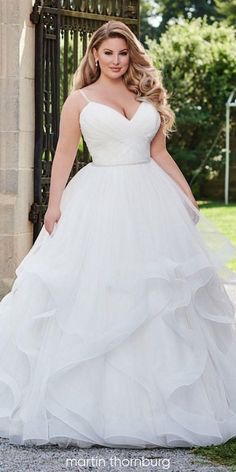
(63, 28)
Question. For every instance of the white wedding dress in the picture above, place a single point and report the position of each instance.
(118, 330)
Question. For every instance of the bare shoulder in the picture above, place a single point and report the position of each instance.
(74, 100)
(89, 87)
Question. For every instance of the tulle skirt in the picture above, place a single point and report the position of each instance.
(118, 330)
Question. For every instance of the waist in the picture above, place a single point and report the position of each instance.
(146, 161)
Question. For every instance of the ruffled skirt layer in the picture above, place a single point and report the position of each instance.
(118, 330)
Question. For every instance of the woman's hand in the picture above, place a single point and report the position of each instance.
(51, 217)
(191, 197)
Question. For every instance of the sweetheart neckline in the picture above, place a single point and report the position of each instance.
(111, 108)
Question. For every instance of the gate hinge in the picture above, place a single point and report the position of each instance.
(35, 14)
(34, 212)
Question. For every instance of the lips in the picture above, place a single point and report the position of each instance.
(115, 69)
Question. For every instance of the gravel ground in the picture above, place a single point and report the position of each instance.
(51, 458)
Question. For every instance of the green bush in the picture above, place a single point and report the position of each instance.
(198, 63)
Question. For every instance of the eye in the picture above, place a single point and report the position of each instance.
(122, 53)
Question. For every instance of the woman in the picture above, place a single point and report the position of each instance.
(118, 330)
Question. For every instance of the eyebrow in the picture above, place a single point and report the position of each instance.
(126, 49)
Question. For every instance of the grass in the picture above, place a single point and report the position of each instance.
(224, 454)
(224, 217)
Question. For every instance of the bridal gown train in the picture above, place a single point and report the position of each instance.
(118, 329)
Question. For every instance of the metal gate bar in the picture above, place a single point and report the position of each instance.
(62, 31)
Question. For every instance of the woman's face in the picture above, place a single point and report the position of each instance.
(113, 57)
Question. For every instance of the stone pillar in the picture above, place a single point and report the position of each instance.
(16, 135)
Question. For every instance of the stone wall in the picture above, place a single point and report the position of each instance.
(16, 135)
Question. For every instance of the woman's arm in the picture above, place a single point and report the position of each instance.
(69, 137)
(160, 154)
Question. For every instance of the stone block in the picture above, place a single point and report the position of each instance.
(9, 149)
(26, 109)
(7, 210)
(9, 104)
(3, 50)
(26, 65)
(8, 180)
(24, 201)
(26, 150)
(12, 38)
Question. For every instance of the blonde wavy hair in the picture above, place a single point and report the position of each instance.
(141, 77)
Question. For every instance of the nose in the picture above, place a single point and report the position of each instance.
(116, 60)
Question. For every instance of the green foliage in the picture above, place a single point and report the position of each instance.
(148, 10)
(173, 9)
(227, 9)
(224, 454)
(198, 63)
(187, 8)
(168, 10)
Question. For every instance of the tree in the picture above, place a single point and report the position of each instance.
(198, 63)
(227, 9)
(148, 10)
(173, 9)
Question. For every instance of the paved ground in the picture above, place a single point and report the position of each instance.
(99, 459)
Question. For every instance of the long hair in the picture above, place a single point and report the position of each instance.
(141, 77)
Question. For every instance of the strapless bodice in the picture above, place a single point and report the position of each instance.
(113, 139)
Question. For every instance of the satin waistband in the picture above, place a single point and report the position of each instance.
(122, 164)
